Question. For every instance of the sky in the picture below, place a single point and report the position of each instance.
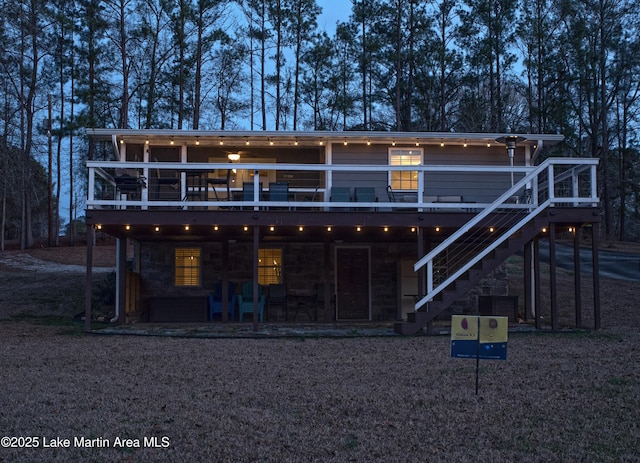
(333, 11)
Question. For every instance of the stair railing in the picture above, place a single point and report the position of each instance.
(500, 220)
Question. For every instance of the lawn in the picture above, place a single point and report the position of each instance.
(568, 396)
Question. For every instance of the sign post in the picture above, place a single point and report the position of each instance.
(480, 338)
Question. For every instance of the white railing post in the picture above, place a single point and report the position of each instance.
(91, 184)
(421, 174)
(550, 185)
(256, 188)
(429, 277)
(594, 184)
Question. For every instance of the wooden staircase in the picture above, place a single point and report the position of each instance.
(417, 320)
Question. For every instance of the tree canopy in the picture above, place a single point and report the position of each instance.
(473, 66)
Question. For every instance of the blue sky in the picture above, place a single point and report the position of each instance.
(333, 11)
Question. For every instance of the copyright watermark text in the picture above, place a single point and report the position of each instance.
(40, 442)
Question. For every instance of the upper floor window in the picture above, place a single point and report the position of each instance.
(187, 267)
(406, 180)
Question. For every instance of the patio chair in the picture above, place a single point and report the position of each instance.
(279, 191)
(319, 297)
(365, 194)
(277, 297)
(340, 194)
(213, 181)
(248, 189)
(245, 301)
(215, 300)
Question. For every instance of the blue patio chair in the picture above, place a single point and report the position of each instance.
(279, 191)
(365, 194)
(245, 301)
(215, 300)
(248, 189)
(340, 194)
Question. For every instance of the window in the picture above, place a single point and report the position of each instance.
(269, 266)
(406, 180)
(187, 267)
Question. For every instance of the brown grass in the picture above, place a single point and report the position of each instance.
(569, 396)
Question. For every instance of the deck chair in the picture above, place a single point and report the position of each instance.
(245, 301)
(365, 194)
(279, 191)
(215, 300)
(213, 181)
(340, 194)
(247, 191)
(277, 297)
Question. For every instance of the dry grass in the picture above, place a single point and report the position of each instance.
(569, 396)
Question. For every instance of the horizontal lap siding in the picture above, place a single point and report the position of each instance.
(362, 154)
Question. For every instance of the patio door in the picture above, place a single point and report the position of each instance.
(353, 291)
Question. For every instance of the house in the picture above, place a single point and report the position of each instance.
(362, 226)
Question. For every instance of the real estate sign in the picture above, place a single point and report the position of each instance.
(479, 337)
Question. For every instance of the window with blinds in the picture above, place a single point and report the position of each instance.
(269, 266)
(187, 267)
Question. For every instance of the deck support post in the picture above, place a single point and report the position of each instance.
(595, 236)
(87, 287)
(528, 282)
(225, 281)
(121, 279)
(256, 244)
(553, 288)
(536, 285)
(577, 276)
(326, 277)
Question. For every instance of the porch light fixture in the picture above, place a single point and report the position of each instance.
(393, 142)
(358, 229)
(441, 144)
(233, 157)
(245, 228)
(368, 142)
(488, 145)
(437, 229)
(301, 228)
(197, 141)
(270, 141)
(171, 142)
(216, 228)
(247, 142)
(295, 142)
(321, 142)
(465, 144)
(329, 229)
(386, 229)
(122, 141)
(345, 142)
(99, 227)
(272, 228)
(221, 142)
(156, 229)
(413, 229)
(544, 229)
(417, 142)
(127, 227)
(186, 227)
(491, 229)
(146, 142)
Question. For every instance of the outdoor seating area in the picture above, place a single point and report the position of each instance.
(275, 303)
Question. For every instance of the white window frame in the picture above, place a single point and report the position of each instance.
(411, 154)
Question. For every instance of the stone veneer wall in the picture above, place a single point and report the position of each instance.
(304, 266)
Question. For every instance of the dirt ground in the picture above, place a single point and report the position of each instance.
(570, 396)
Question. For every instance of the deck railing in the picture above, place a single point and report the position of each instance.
(169, 185)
